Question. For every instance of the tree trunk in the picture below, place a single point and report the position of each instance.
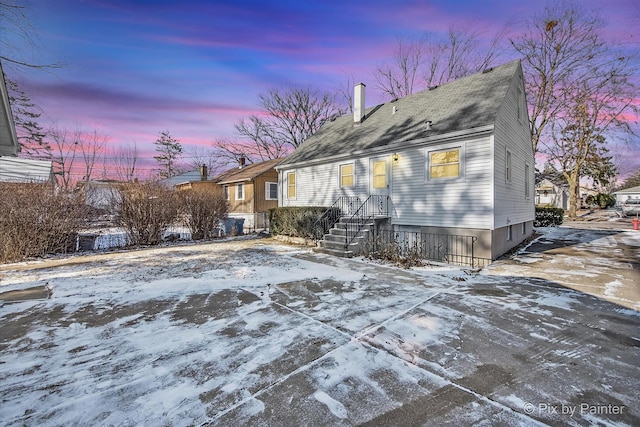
(574, 196)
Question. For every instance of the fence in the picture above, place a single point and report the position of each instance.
(448, 248)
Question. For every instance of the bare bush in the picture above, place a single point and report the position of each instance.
(394, 253)
(202, 212)
(37, 220)
(145, 210)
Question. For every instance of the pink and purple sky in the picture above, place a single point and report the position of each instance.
(134, 68)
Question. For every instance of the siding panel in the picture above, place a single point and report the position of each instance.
(512, 134)
(462, 202)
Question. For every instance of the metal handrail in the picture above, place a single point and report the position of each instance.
(363, 215)
(343, 206)
(449, 248)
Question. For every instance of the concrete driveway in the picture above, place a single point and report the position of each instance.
(319, 340)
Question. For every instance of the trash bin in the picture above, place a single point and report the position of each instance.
(239, 226)
(227, 226)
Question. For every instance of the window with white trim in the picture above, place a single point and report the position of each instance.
(225, 191)
(444, 164)
(271, 191)
(507, 167)
(239, 191)
(346, 175)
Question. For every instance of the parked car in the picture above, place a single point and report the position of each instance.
(631, 207)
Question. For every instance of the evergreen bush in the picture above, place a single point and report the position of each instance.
(297, 221)
(548, 216)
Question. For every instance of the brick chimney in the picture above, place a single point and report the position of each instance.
(358, 102)
(241, 162)
(203, 172)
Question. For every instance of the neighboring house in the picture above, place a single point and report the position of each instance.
(14, 169)
(9, 145)
(452, 160)
(251, 191)
(101, 194)
(200, 181)
(193, 175)
(629, 193)
(550, 194)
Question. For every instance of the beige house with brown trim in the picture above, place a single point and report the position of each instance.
(250, 189)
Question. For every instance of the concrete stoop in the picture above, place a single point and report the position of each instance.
(333, 243)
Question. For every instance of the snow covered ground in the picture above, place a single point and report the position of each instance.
(251, 331)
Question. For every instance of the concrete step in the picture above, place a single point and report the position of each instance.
(335, 237)
(352, 224)
(335, 252)
(338, 245)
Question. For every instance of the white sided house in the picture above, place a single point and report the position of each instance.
(454, 160)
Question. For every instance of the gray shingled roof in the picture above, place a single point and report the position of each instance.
(467, 103)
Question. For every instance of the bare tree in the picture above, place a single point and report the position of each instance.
(422, 63)
(398, 78)
(65, 146)
(91, 145)
(345, 92)
(125, 161)
(559, 47)
(580, 88)
(211, 158)
(289, 117)
(232, 150)
(594, 107)
(14, 20)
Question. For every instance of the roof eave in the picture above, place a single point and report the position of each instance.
(397, 146)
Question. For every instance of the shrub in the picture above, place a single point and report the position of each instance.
(548, 216)
(201, 212)
(145, 210)
(602, 200)
(37, 220)
(296, 221)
